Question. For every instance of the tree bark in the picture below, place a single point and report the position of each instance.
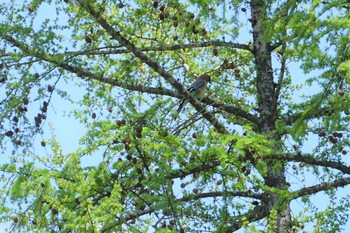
(275, 175)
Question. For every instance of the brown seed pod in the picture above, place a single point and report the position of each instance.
(341, 92)
(30, 8)
(162, 7)
(25, 101)
(247, 171)
(204, 32)
(88, 39)
(15, 119)
(215, 52)
(9, 133)
(126, 140)
(49, 88)
(155, 4)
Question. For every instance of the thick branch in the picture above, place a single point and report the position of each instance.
(154, 65)
(322, 187)
(310, 160)
(233, 110)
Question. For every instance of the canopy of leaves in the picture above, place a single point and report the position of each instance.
(272, 129)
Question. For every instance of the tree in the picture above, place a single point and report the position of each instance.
(235, 159)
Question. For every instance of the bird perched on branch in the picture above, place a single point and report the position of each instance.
(197, 89)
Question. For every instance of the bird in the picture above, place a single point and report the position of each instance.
(198, 89)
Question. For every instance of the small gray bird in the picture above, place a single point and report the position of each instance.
(197, 89)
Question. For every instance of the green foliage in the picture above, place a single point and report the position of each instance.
(280, 89)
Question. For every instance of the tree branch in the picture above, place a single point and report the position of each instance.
(253, 215)
(221, 194)
(290, 119)
(233, 110)
(181, 173)
(114, 82)
(117, 50)
(281, 76)
(154, 65)
(322, 187)
(310, 160)
(84, 73)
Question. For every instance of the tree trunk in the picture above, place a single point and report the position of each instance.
(275, 176)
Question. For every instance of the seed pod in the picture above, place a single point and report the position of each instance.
(49, 88)
(30, 8)
(162, 7)
(215, 52)
(25, 101)
(88, 39)
(155, 4)
(15, 119)
(9, 133)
